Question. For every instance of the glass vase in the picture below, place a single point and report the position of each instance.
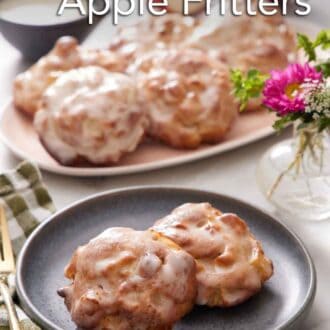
(298, 187)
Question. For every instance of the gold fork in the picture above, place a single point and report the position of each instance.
(7, 267)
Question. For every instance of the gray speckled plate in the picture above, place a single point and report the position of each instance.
(282, 303)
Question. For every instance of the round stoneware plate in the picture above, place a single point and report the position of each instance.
(281, 304)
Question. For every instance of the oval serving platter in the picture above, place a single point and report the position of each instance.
(282, 303)
(18, 134)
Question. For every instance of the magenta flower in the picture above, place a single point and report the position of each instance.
(285, 92)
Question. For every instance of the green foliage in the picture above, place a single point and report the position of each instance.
(324, 68)
(323, 41)
(324, 123)
(247, 86)
(307, 45)
(283, 122)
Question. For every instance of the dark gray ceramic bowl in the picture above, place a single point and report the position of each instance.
(282, 304)
(33, 41)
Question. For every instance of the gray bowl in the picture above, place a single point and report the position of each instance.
(34, 41)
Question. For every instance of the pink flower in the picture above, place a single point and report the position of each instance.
(284, 91)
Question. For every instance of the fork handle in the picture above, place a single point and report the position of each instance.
(12, 315)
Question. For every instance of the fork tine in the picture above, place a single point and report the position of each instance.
(7, 250)
(7, 266)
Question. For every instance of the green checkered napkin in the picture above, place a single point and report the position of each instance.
(27, 203)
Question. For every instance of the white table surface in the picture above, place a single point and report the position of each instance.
(232, 173)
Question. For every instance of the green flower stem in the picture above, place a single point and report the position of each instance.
(309, 140)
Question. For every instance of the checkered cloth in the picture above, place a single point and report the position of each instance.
(27, 203)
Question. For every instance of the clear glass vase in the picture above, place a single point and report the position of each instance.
(299, 189)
